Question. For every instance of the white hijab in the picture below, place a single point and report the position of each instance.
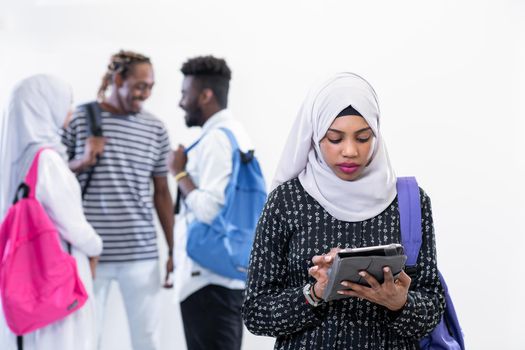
(36, 111)
(352, 201)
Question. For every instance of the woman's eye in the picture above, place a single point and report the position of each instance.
(334, 140)
(363, 139)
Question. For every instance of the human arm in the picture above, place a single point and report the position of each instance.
(93, 262)
(214, 166)
(177, 161)
(59, 193)
(164, 207)
(93, 149)
(162, 197)
(93, 146)
(272, 307)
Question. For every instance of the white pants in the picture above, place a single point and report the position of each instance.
(139, 284)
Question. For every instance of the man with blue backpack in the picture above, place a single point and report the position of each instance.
(221, 194)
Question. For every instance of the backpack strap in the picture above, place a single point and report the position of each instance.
(19, 342)
(246, 157)
(94, 119)
(411, 237)
(228, 133)
(94, 122)
(236, 163)
(28, 186)
(176, 206)
(232, 138)
(25, 192)
(410, 218)
(30, 183)
(193, 145)
(32, 174)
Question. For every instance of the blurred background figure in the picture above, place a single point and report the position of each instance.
(38, 108)
(116, 171)
(210, 303)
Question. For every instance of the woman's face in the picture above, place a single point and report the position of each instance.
(347, 146)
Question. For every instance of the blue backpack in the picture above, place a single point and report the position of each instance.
(447, 335)
(224, 246)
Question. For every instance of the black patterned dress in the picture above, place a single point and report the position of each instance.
(292, 229)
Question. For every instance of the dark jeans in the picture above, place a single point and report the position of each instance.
(212, 318)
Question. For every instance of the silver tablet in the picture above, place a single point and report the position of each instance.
(349, 262)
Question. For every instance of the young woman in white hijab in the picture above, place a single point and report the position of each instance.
(37, 109)
(335, 188)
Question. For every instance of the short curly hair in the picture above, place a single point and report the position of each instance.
(212, 73)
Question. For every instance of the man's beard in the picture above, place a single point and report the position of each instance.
(194, 117)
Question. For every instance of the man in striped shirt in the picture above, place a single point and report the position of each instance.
(118, 199)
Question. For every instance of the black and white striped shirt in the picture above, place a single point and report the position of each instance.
(119, 200)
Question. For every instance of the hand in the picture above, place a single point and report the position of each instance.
(93, 149)
(320, 270)
(93, 261)
(177, 160)
(169, 270)
(391, 294)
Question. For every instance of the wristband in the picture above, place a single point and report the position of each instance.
(181, 175)
(313, 292)
(310, 299)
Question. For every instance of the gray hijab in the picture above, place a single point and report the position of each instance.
(35, 113)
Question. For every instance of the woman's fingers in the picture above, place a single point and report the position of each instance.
(391, 294)
(404, 279)
(350, 293)
(334, 251)
(320, 274)
(316, 272)
(372, 282)
(317, 259)
(322, 259)
(313, 271)
(388, 277)
(321, 265)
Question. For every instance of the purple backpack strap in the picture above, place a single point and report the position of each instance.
(410, 217)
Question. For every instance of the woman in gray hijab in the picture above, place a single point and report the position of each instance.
(335, 188)
(38, 108)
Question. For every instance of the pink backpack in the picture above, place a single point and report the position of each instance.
(39, 282)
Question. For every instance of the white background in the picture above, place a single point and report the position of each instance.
(450, 78)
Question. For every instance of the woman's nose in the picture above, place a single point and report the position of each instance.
(350, 149)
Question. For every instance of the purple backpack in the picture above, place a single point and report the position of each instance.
(447, 335)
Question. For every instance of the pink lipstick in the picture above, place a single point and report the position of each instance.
(348, 168)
